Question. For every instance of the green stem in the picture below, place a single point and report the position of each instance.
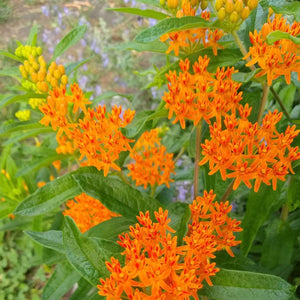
(277, 98)
(123, 177)
(263, 102)
(197, 159)
(228, 191)
(153, 188)
(242, 48)
(179, 154)
(284, 212)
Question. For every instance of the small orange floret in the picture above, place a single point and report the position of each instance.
(152, 164)
(87, 212)
(280, 58)
(156, 268)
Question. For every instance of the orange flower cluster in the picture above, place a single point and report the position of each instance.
(156, 268)
(251, 151)
(152, 164)
(185, 38)
(281, 58)
(201, 94)
(87, 212)
(99, 139)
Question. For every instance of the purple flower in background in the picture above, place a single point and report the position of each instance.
(98, 90)
(45, 10)
(182, 193)
(59, 19)
(105, 60)
(83, 42)
(57, 30)
(152, 22)
(51, 49)
(66, 10)
(83, 80)
(154, 92)
(85, 67)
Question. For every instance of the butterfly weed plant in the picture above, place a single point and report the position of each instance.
(98, 182)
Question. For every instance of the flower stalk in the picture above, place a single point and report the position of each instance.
(197, 158)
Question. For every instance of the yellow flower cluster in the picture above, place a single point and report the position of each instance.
(23, 115)
(234, 12)
(26, 51)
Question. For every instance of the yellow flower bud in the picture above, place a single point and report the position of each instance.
(41, 75)
(238, 6)
(61, 69)
(36, 66)
(234, 17)
(64, 80)
(265, 30)
(229, 6)
(34, 76)
(48, 77)
(33, 52)
(245, 13)
(172, 3)
(252, 4)
(162, 2)
(194, 2)
(39, 51)
(26, 65)
(221, 14)
(57, 74)
(44, 87)
(204, 4)
(54, 82)
(219, 4)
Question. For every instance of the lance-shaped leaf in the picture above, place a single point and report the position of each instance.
(237, 285)
(286, 8)
(148, 13)
(277, 35)
(171, 24)
(87, 255)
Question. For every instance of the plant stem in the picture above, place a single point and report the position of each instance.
(197, 158)
(153, 188)
(284, 212)
(228, 191)
(179, 154)
(123, 177)
(277, 98)
(242, 48)
(263, 102)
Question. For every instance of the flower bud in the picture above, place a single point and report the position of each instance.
(172, 3)
(204, 4)
(219, 4)
(234, 17)
(238, 6)
(64, 80)
(44, 87)
(245, 13)
(229, 6)
(252, 4)
(39, 51)
(41, 75)
(221, 14)
(195, 2)
(54, 82)
(34, 77)
(162, 2)
(265, 30)
(56, 74)
(61, 69)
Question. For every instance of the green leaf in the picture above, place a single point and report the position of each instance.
(286, 8)
(116, 195)
(293, 199)
(10, 55)
(85, 254)
(33, 35)
(7, 129)
(6, 208)
(244, 77)
(52, 239)
(110, 229)
(259, 207)
(39, 163)
(18, 136)
(150, 2)
(277, 35)
(61, 281)
(108, 95)
(148, 13)
(171, 24)
(69, 40)
(84, 291)
(49, 196)
(11, 72)
(155, 46)
(71, 67)
(287, 95)
(274, 255)
(237, 285)
(19, 98)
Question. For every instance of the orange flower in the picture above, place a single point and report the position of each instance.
(156, 268)
(184, 39)
(201, 94)
(153, 165)
(281, 58)
(250, 151)
(99, 139)
(87, 212)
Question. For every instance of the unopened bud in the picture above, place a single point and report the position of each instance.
(61, 69)
(204, 4)
(57, 74)
(162, 2)
(219, 4)
(64, 80)
(252, 4)
(234, 17)
(238, 6)
(265, 30)
(172, 3)
(221, 14)
(229, 6)
(245, 13)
